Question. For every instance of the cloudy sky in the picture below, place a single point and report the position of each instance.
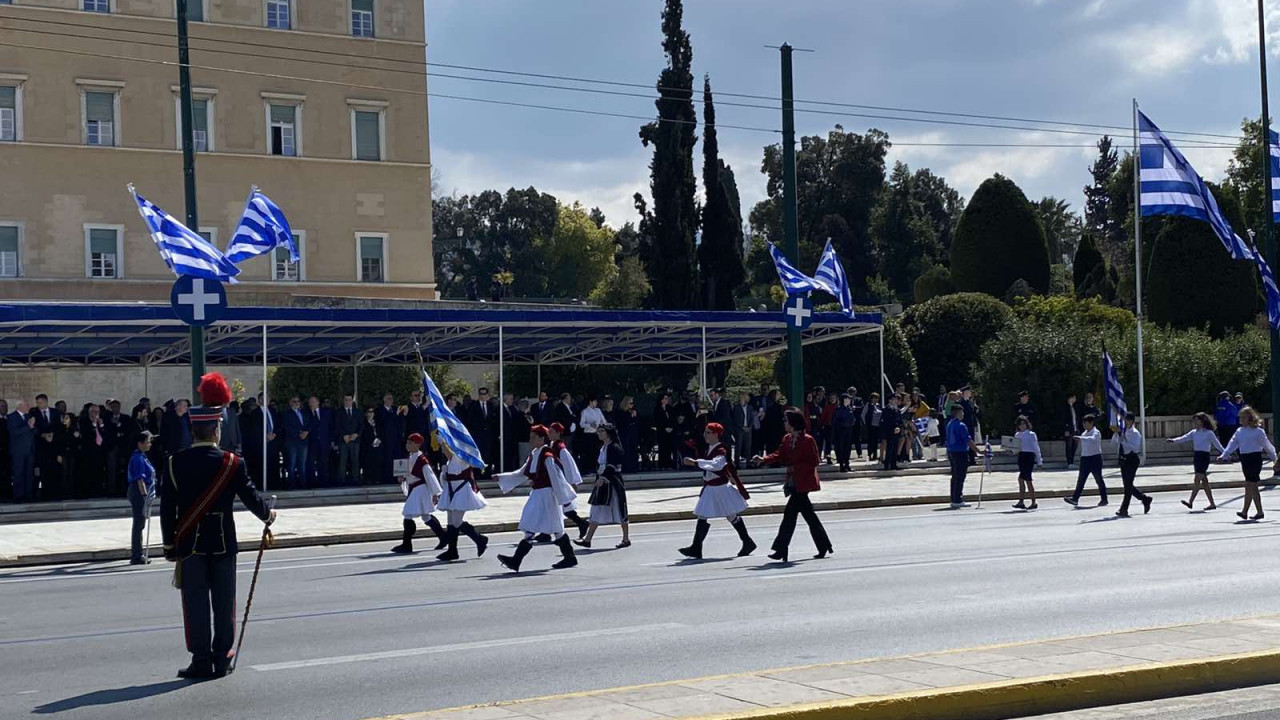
(1192, 64)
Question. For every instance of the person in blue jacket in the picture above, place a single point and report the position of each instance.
(142, 492)
(1227, 415)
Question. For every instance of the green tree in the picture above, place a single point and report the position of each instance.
(1086, 260)
(1244, 175)
(1061, 227)
(999, 241)
(946, 335)
(623, 287)
(720, 250)
(934, 282)
(669, 257)
(905, 239)
(1100, 220)
(942, 205)
(480, 236)
(577, 255)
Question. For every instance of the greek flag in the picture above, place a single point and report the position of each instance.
(987, 455)
(185, 252)
(830, 277)
(449, 429)
(1170, 186)
(263, 228)
(1113, 390)
(1275, 176)
(793, 281)
(1269, 285)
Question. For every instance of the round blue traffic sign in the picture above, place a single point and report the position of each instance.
(198, 301)
(798, 311)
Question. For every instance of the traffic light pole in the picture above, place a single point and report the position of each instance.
(790, 229)
(189, 171)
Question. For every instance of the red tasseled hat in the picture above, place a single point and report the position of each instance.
(214, 395)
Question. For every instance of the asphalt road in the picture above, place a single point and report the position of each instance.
(352, 632)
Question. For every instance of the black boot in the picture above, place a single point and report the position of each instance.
(481, 541)
(512, 562)
(566, 550)
(199, 669)
(542, 538)
(699, 534)
(748, 545)
(442, 536)
(406, 545)
(451, 539)
(222, 666)
(577, 520)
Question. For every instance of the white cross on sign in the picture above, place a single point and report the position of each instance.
(198, 299)
(799, 313)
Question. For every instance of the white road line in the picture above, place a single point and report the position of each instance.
(558, 638)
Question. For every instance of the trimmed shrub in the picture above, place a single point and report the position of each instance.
(1192, 282)
(999, 241)
(932, 283)
(946, 335)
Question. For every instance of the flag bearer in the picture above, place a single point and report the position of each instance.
(461, 495)
(1129, 440)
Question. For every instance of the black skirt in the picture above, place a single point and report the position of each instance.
(1201, 462)
(1026, 464)
(1251, 466)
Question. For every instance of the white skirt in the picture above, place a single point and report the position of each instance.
(720, 501)
(542, 514)
(464, 498)
(610, 514)
(570, 506)
(418, 504)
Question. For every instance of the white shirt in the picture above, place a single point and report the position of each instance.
(1250, 440)
(1090, 442)
(1029, 443)
(1201, 440)
(710, 467)
(592, 419)
(1129, 441)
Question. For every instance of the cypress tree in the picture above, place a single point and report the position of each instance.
(720, 251)
(999, 241)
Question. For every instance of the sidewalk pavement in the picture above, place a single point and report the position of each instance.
(42, 543)
(1002, 681)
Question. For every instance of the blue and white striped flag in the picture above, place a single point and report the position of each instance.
(1275, 176)
(263, 228)
(185, 252)
(1170, 186)
(449, 429)
(793, 281)
(1272, 292)
(830, 277)
(1113, 390)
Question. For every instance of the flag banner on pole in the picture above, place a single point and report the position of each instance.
(1272, 292)
(185, 252)
(830, 277)
(793, 281)
(1170, 186)
(986, 456)
(449, 429)
(1113, 390)
(1275, 176)
(263, 228)
(921, 425)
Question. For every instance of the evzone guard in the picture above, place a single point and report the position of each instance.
(461, 495)
(544, 510)
(722, 494)
(422, 491)
(199, 532)
(572, 475)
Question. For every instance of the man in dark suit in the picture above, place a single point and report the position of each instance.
(512, 432)
(297, 430)
(116, 443)
(275, 442)
(417, 418)
(22, 447)
(92, 464)
(744, 420)
(541, 410)
(319, 442)
(482, 423)
(250, 419)
(391, 431)
(48, 427)
(347, 427)
(565, 414)
(664, 425)
(891, 430)
(720, 411)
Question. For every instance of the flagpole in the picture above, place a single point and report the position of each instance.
(1137, 266)
(1268, 232)
(189, 170)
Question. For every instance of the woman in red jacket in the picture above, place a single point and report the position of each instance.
(799, 453)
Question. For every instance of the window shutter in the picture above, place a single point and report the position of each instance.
(8, 97)
(99, 106)
(283, 113)
(102, 242)
(368, 142)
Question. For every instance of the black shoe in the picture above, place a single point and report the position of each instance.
(822, 554)
(448, 555)
(140, 561)
(1122, 514)
(566, 551)
(1146, 506)
(1257, 517)
(222, 667)
(197, 670)
(1071, 501)
(482, 544)
(512, 562)
(748, 547)
(691, 552)
(402, 549)
(779, 555)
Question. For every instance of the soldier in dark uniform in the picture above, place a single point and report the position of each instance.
(200, 532)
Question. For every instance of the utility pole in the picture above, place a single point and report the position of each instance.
(790, 228)
(1268, 232)
(189, 171)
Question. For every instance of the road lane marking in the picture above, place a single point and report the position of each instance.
(558, 638)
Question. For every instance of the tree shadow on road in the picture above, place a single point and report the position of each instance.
(111, 697)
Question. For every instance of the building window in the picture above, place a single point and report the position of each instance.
(102, 6)
(278, 14)
(366, 132)
(8, 113)
(10, 244)
(102, 251)
(372, 251)
(284, 129)
(200, 124)
(362, 18)
(195, 10)
(281, 268)
(210, 235)
(100, 118)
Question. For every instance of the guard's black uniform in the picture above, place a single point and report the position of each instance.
(207, 554)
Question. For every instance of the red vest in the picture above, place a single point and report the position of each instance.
(722, 476)
(417, 472)
(538, 477)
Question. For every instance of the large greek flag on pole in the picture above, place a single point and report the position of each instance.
(1275, 176)
(185, 252)
(263, 228)
(449, 429)
(830, 277)
(1272, 292)
(1170, 186)
(1113, 390)
(794, 282)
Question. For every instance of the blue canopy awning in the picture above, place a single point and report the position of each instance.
(80, 334)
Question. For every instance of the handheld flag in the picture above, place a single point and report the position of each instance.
(185, 252)
(1170, 186)
(793, 281)
(1114, 392)
(921, 425)
(263, 228)
(830, 277)
(449, 428)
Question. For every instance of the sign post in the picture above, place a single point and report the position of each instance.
(198, 302)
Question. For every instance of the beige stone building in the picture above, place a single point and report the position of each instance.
(321, 103)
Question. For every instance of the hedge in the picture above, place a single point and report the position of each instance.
(946, 335)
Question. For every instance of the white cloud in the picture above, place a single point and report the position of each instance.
(1209, 31)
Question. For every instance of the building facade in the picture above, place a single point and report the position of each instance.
(320, 103)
